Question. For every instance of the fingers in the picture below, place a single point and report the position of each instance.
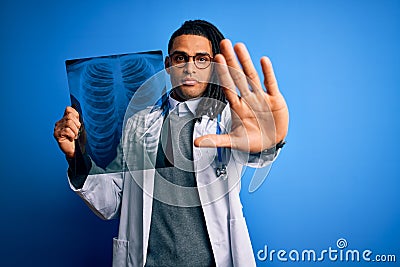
(226, 81)
(71, 113)
(65, 133)
(248, 67)
(269, 76)
(242, 73)
(213, 140)
(68, 127)
(235, 69)
(65, 130)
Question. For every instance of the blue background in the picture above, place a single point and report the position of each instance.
(337, 63)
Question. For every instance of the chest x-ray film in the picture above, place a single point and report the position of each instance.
(101, 89)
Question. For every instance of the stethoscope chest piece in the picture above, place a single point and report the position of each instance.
(221, 172)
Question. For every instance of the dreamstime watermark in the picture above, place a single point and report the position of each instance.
(338, 253)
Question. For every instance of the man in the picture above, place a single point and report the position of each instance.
(177, 181)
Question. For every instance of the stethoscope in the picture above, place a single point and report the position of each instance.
(220, 171)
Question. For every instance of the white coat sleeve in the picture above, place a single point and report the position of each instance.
(102, 188)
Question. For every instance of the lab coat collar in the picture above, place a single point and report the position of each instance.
(183, 108)
(168, 104)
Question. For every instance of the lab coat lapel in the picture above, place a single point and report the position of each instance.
(153, 124)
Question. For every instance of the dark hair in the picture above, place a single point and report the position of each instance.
(214, 98)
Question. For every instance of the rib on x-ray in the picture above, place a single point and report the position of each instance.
(101, 88)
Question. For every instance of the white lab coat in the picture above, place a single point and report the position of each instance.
(128, 193)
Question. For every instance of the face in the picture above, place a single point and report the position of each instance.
(189, 81)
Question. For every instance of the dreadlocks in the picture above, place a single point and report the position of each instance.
(213, 101)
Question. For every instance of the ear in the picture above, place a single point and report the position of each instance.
(167, 65)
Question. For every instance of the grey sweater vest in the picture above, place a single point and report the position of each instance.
(178, 233)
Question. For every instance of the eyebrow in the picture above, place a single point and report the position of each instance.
(182, 52)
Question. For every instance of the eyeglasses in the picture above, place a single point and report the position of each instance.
(180, 59)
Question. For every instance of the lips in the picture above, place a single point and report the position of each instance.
(189, 81)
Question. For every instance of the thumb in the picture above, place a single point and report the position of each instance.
(213, 140)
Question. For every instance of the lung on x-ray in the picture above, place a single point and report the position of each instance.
(101, 89)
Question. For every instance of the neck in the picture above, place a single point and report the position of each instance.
(175, 96)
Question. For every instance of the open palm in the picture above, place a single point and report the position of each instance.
(260, 117)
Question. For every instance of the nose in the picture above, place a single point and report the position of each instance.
(190, 67)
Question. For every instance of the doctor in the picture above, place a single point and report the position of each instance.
(176, 180)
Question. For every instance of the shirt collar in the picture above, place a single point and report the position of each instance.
(182, 108)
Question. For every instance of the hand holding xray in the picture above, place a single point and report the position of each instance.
(66, 131)
(259, 118)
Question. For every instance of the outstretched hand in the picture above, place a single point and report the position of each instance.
(259, 118)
